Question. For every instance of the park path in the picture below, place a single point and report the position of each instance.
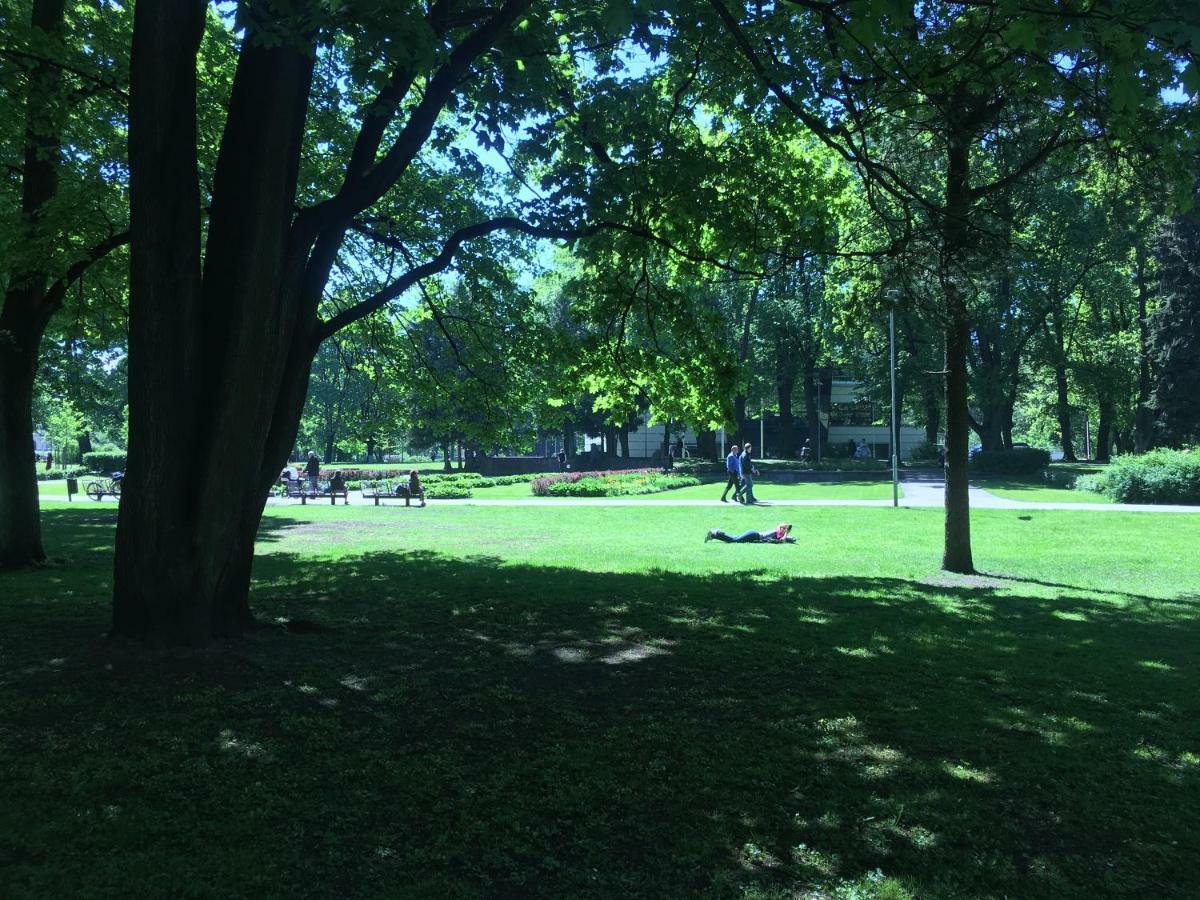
(923, 494)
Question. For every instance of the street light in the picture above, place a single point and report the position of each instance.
(894, 295)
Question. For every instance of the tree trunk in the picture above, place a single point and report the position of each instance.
(1143, 422)
(706, 444)
(219, 360)
(739, 417)
(20, 521)
(812, 416)
(785, 385)
(447, 466)
(26, 310)
(1104, 430)
(956, 555)
(329, 448)
(623, 439)
(1062, 402)
(933, 413)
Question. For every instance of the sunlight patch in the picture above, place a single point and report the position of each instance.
(966, 772)
(231, 743)
(1156, 665)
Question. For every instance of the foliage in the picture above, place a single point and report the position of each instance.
(925, 452)
(59, 473)
(64, 424)
(608, 483)
(1018, 461)
(1160, 476)
(104, 461)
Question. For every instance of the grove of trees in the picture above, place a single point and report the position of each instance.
(232, 228)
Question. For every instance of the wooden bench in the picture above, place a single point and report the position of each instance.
(375, 490)
(300, 489)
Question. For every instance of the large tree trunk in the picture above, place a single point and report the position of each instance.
(956, 555)
(20, 522)
(218, 365)
(739, 417)
(706, 444)
(623, 439)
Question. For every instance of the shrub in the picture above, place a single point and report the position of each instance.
(925, 452)
(66, 472)
(1019, 461)
(620, 487)
(447, 492)
(1160, 476)
(104, 461)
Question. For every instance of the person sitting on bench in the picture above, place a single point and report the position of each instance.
(779, 535)
(414, 486)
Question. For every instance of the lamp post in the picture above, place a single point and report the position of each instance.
(893, 295)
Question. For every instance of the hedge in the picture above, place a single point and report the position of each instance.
(59, 474)
(1019, 461)
(104, 462)
(619, 483)
(1160, 476)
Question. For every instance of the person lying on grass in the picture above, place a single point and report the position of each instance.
(782, 534)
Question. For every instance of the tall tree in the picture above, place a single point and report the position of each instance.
(61, 83)
(992, 90)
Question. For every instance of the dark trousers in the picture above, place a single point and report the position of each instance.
(735, 483)
(746, 537)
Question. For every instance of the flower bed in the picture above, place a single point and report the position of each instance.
(612, 483)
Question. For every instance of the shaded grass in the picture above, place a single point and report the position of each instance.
(595, 703)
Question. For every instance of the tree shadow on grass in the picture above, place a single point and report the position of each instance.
(472, 728)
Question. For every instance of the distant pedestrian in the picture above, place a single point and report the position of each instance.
(733, 471)
(748, 474)
(806, 451)
(313, 470)
(562, 460)
(49, 460)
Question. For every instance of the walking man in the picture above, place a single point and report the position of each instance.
(733, 469)
(746, 467)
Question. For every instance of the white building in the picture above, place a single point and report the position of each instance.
(843, 411)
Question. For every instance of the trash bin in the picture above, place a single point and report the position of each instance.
(72, 487)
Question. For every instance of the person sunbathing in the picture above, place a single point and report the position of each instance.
(782, 534)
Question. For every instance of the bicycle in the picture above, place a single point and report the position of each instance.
(106, 487)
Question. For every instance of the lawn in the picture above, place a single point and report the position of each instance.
(1036, 491)
(593, 702)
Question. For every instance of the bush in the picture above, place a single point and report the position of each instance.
(447, 492)
(1020, 461)
(619, 485)
(1160, 476)
(65, 472)
(104, 461)
(925, 452)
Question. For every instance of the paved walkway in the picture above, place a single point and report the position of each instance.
(917, 495)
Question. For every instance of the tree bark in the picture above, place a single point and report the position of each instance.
(199, 340)
(1143, 421)
(785, 385)
(20, 520)
(812, 416)
(956, 555)
(26, 310)
(623, 438)
(933, 413)
(1104, 430)
(1062, 395)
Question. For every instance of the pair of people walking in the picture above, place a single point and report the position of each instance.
(741, 472)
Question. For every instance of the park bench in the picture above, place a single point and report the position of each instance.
(383, 490)
(300, 489)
